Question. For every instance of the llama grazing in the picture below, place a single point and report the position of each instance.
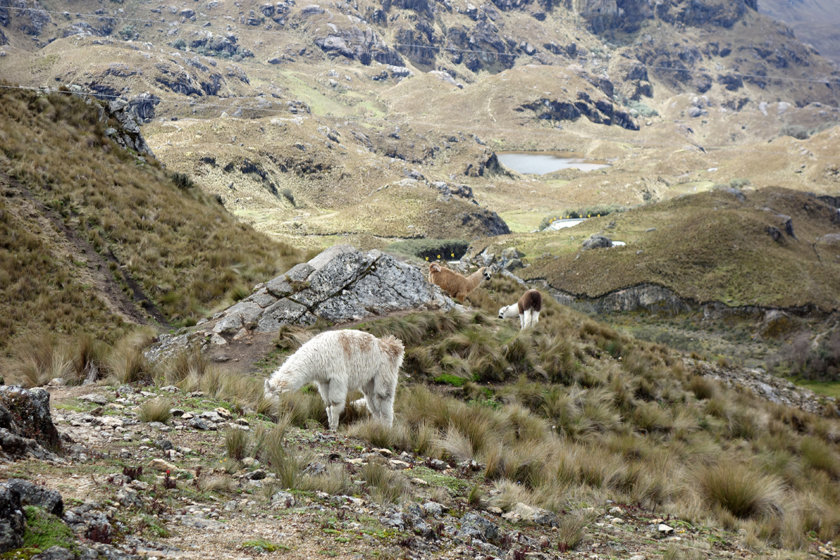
(527, 309)
(454, 284)
(341, 361)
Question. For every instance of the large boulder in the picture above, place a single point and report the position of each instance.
(34, 495)
(340, 285)
(26, 426)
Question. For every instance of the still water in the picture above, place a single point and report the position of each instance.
(540, 164)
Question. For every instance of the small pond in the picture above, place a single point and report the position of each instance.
(542, 163)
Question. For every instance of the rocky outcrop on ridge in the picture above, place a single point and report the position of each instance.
(339, 285)
(599, 111)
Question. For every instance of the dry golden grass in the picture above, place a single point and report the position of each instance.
(386, 486)
(737, 489)
(155, 410)
(182, 250)
(641, 430)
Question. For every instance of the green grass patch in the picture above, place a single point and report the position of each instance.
(45, 530)
(449, 379)
(260, 546)
(824, 388)
(457, 486)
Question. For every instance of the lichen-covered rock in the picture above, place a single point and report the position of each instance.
(12, 521)
(26, 426)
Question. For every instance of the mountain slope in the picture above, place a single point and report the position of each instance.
(326, 105)
(768, 247)
(96, 235)
(814, 21)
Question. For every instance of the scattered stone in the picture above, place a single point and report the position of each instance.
(26, 426)
(12, 520)
(663, 529)
(597, 242)
(474, 526)
(433, 508)
(162, 466)
(283, 499)
(94, 398)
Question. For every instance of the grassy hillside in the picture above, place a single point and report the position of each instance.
(96, 237)
(713, 246)
(571, 416)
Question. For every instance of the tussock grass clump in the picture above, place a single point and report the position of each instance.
(398, 436)
(216, 483)
(818, 454)
(236, 443)
(386, 486)
(737, 489)
(187, 364)
(126, 362)
(155, 410)
(40, 359)
(335, 480)
(571, 531)
(702, 387)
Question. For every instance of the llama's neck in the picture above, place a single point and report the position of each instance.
(293, 374)
(475, 278)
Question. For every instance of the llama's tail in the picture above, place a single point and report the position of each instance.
(393, 347)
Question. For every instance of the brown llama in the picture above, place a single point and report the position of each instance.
(454, 284)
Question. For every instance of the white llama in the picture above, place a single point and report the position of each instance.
(341, 361)
(527, 309)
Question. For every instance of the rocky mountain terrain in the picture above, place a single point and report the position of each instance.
(813, 21)
(192, 190)
(177, 485)
(380, 120)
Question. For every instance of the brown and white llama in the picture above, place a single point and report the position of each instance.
(457, 285)
(527, 309)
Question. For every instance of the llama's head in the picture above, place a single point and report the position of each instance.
(486, 273)
(274, 387)
(435, 267)
(509, 311)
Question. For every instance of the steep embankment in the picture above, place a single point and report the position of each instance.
(768, 247)
(96, 236)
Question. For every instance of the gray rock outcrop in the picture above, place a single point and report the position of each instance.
(339, 285)
(26, 426)
(597, 242)
(34, 495)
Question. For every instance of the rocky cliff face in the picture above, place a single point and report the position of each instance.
(628, 15)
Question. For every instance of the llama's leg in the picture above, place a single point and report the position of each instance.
(522, 324)
(335, 403)
(369, 391)
(386, 407)
(529, 318)
(385, 392)
(324, 391)
(535, 317)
